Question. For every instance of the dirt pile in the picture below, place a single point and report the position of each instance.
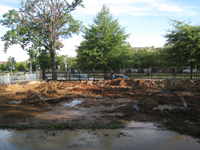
(47, 88)
(194, 87)
(131, 82)
(76, 90)
(10, 87)
(181, 82)
(115, 82)
(148, 104)
(127, 111)
(106, 99)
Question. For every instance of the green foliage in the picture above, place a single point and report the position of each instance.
(183, 44)
(44, 59)
(145, 58)
(10, 63)
(105, 45)
(3, 67)
(21, 66)
(40, 24)
(69, 61)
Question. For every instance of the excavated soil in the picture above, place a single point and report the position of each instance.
(89, 103)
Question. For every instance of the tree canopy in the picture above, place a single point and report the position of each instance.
(183, 44)
(41, 24)
(145, 58)
(104, 45)
(21, 66)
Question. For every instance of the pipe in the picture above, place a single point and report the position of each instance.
(40, 97)
(184, 103)
(3, 81)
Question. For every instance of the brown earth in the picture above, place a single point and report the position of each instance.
(101, 102)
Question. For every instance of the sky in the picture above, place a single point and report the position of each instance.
(146, 21)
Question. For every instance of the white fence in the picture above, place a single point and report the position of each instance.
(6, 78)
(30, 77)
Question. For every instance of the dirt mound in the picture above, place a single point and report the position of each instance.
(194, 87)
(148, 104)
(76, 90)
(2, 88)
(131, 82)
(122, 82)
(45, 103)
(181, 82)
(109, 94)
(89, 103)
(10, 87)
(188, 82)
(179, 114)
(127, 111)
(115, 82)
(48, 88)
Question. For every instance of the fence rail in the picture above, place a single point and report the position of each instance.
(152, 73)
(99, 75)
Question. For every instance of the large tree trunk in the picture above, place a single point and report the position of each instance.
(43, 74)
(148, 72)
(191, 73)
(54, 73)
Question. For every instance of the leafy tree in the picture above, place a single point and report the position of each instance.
(32, 65)
(11, 63)
(183, 44)
(44, 59)
(41, 24)
(145, 58)
(21, 66)
(69, 61)
(105, 45)
(3, 67)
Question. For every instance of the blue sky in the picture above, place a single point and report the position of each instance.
(145, 20)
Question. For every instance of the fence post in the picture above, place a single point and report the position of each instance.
(94, 75)
(65, 73)
(69, 74)
(7, 78)
(79, 75)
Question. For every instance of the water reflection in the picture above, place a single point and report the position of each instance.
(15, 102)
(134, 124)
(137, 138)
(73, 103)
(179, 137)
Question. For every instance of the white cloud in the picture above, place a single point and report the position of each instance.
(124, 10)
(126, 1)
(136, 7)
(4, 9)
(69, 46)
(168, 7)
(14, 51)
(173, 7)
(146, 40)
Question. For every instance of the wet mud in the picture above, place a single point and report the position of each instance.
(116, 139)
(86, 103)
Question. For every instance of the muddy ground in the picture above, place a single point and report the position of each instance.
(102, 104)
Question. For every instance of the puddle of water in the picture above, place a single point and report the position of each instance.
(161, 107)
(15, 102)
(115, 139)
(73, 103)
(134, 124)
